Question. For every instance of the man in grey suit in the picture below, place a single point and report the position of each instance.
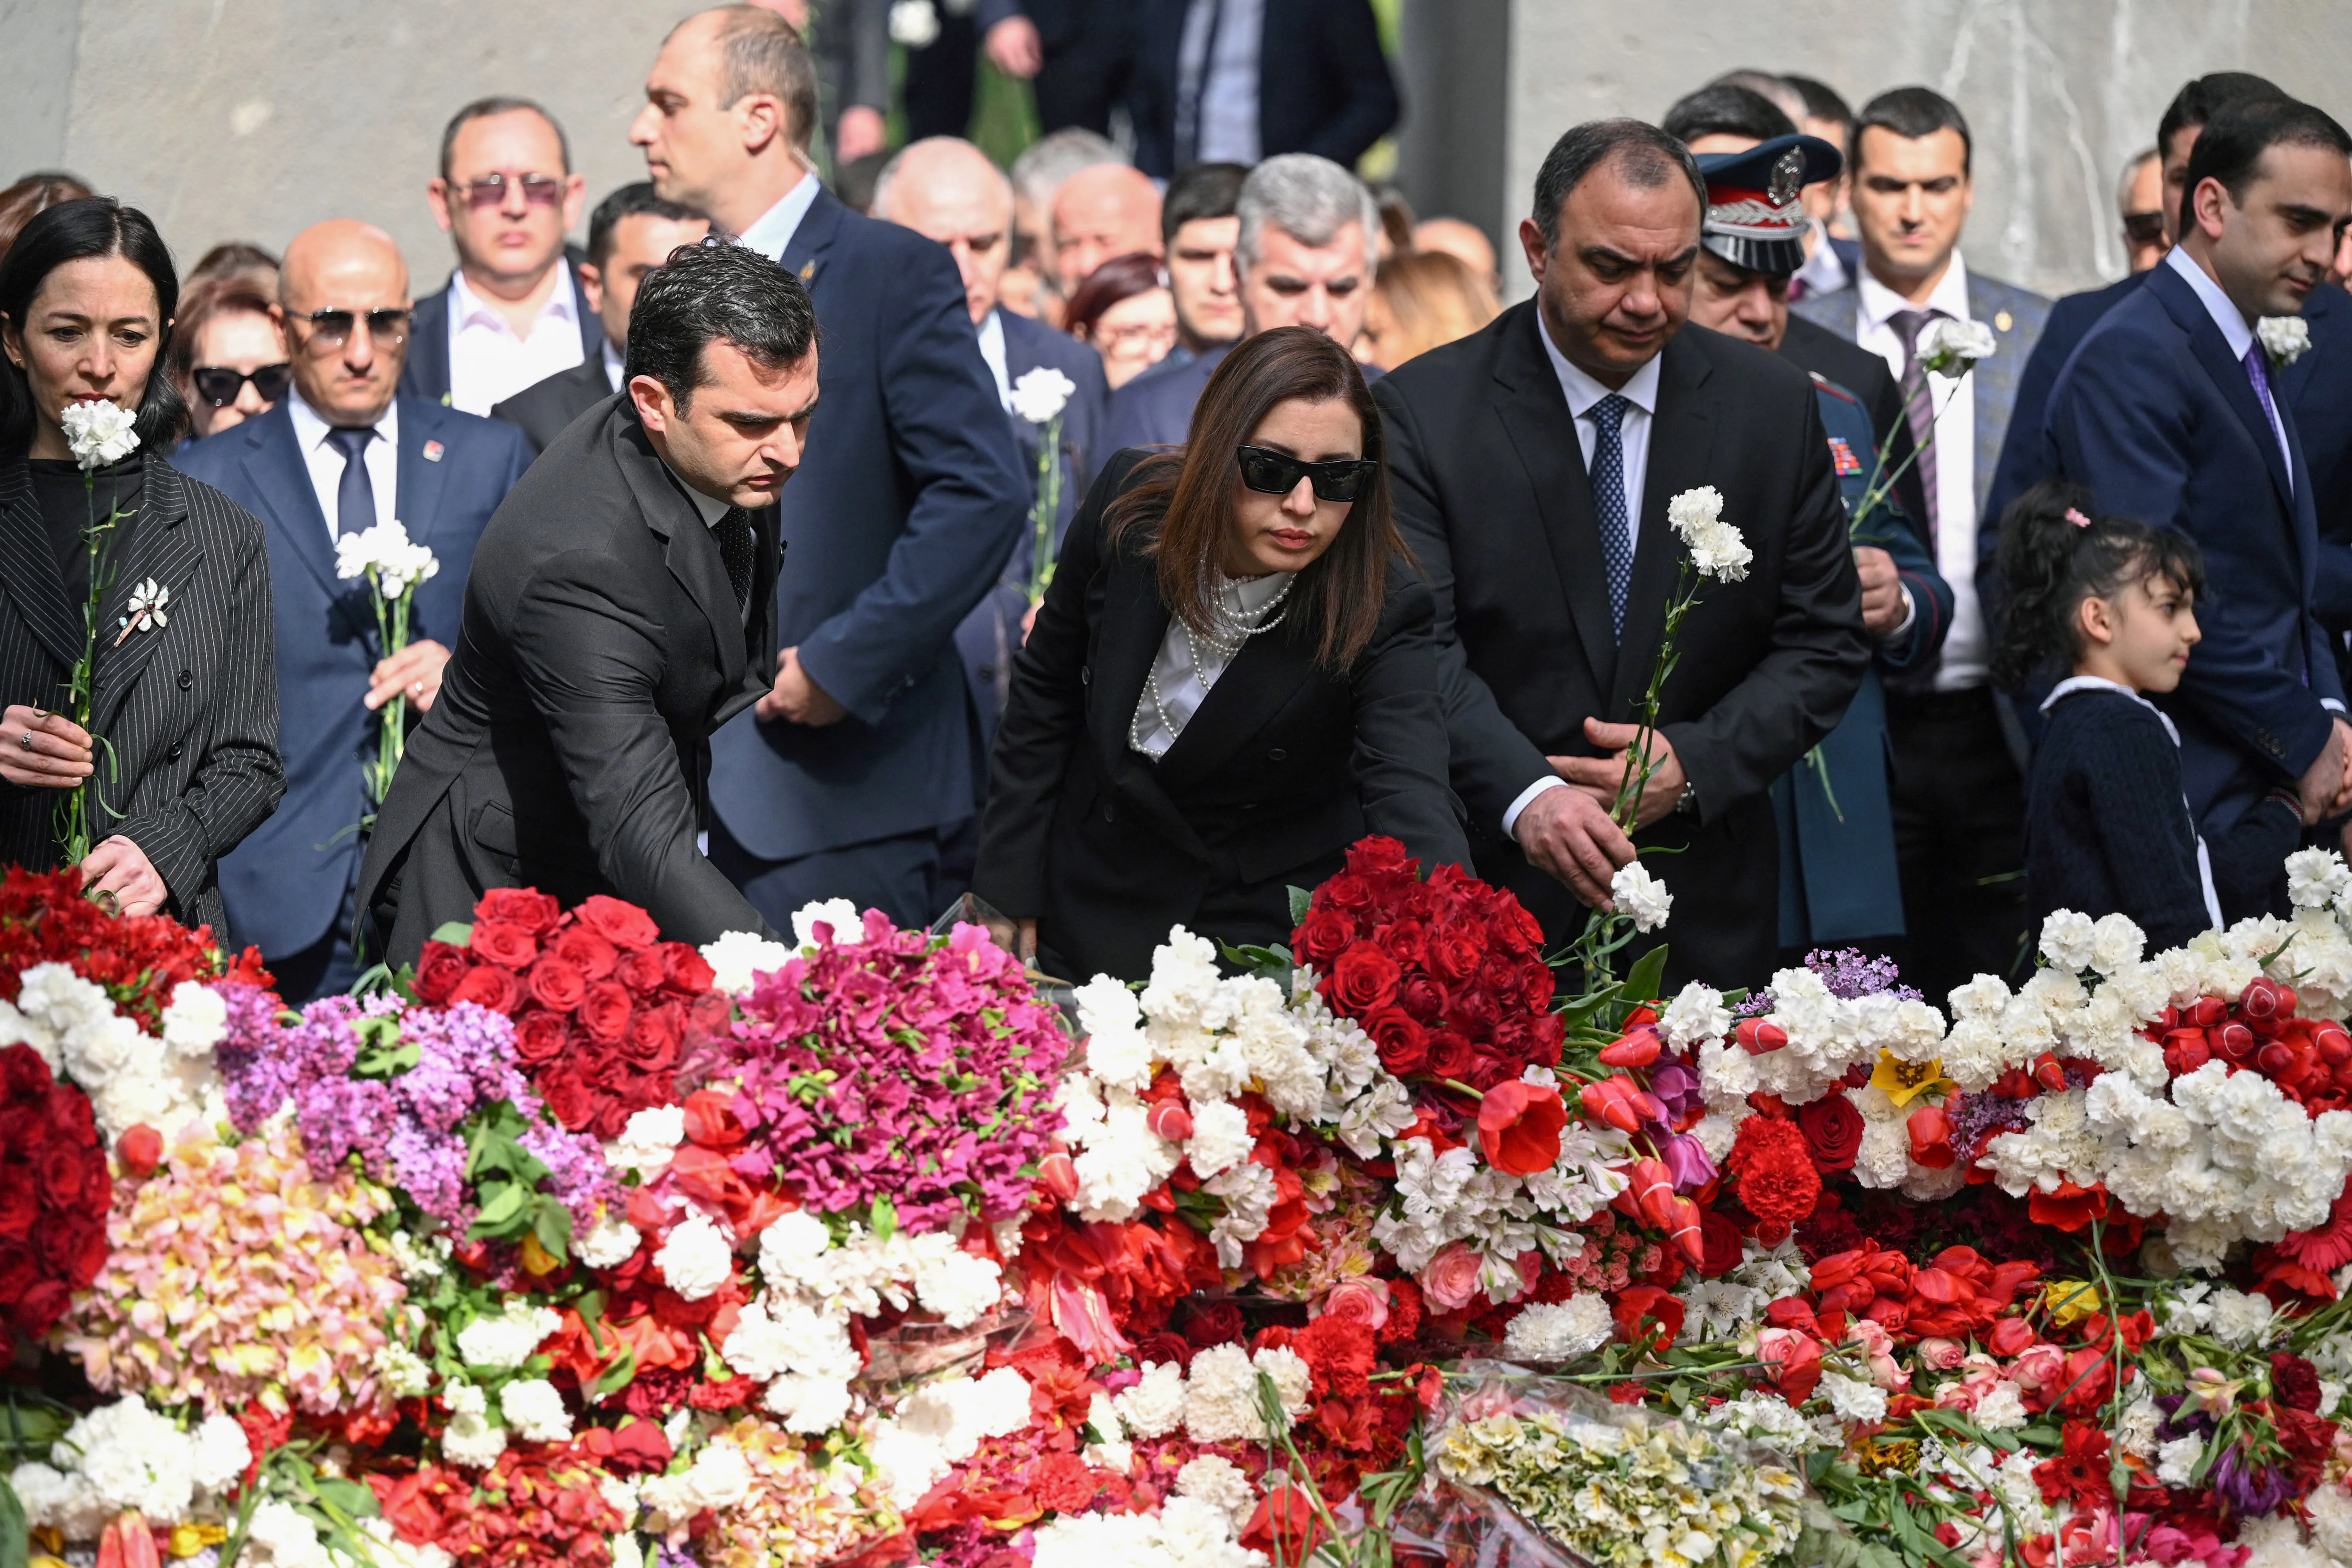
(1959, 782)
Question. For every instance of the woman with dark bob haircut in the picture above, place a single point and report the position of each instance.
(171, 599)
(1232, 680)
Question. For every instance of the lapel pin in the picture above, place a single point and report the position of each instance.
(808, 269)
(433, 450)
(145, 611)
(2001, 319)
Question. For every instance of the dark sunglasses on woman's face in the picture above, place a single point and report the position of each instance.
(218, 384)
(1278, 473)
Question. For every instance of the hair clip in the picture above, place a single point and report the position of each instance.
(2077, 518)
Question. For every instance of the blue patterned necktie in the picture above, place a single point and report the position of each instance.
(2258, 370)
(355, 495)
(1609, 503)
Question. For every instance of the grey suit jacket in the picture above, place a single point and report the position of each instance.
(189, 709)
(2015, 315)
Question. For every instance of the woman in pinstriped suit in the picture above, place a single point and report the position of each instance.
(187, 699)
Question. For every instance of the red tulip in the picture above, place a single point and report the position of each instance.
(1170, 1120)
(127, 1542)
(141, 1151)
(2335, 1045)
(1653, 1190)
(1931, 1138)
(1059, 1174)
(1638, 1050)
(1683, 1227)
(1757, 1035)
(1519, 1125)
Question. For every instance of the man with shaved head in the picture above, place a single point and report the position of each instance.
(341, 453)
(858, 777)
(1108, 210)
(944, 188)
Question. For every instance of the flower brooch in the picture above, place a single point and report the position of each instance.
(146, 611)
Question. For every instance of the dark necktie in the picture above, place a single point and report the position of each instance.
(354, 494)
(1920, 406)
(2258, 370)
(739, 548)
(1609, 504)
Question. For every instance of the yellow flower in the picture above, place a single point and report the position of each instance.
(1904, 1082)
(537, 1259)
(187, 1539)
(2069, 1301)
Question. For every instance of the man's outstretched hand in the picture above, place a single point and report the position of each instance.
(1568, 834)
(1599, 777)
(796, 696)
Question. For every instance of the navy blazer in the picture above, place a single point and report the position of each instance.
(2025, 458)
(904, 510)
(285, 883)
(2318, 387)
(426, 373)
(1155, 409)
(991, 635)
(1333, 93)
(2156, 418)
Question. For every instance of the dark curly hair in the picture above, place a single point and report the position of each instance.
(2051, 563)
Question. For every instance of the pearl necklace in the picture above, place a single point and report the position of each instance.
(1228, 631)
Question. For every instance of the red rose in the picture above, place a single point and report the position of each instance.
(1344, 893)
(508, 947)
(605, 1011)
(1363, 979)
(1832, 1129)
(623, 925)
(41, 1307)
(1403, 1045)
(488, 985)
(1376, 853)
(586, 952)
(568, 1098)
(142, 1149)
(58, 1167)
(684, 971)
(23, 1074)
(1774, 1169)
(18, 1273)
(438, 972)
(651, 1044)
(1424, 998)
(539, 1038)
(71, 1246)
(1719, 1238)
(533, 910)
(643, 970)
(1402, 941)
(1322, 938)
(1451, 1054)
(613, 1111)
(1215, 1324)
(1453, 953)
(67, 1110)
(1519, 1126)
(557, 985)
(1163, 1345)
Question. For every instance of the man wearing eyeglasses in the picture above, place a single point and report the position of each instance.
(343, 451)
(515, 312)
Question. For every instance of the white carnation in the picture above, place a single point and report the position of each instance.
(1852, 1399)
(1154, 1406)
(1039, 395)
(1697, 1015)
(1220, 1138)
(1951, 345)
(696, 1258)
(2283, 338)
(607, 1244)
(1560, 1330)
(1640, 897)
(98, 431)
(1718, 550)
(842, 915)
(196, 1019)
(2068, 941)
(648, 1140)
(739, 957)
(504, 1342)
(535, 1410)
(1218, 1481)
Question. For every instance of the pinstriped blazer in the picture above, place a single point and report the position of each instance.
(190, 709)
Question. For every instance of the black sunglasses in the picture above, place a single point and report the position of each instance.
(218, 384)
(389, 328)
(2144, 228)
(1277, 474)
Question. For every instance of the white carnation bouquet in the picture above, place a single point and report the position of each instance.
(392, 565)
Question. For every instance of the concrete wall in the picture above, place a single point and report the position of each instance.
(2058, 93)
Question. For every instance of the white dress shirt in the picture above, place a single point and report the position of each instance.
(2074, 683)
(1633, 440)
(1963, 665)
(772, 232)
(1184, 687)
(489, 364)
(992, 349)
(1225, 74)
(614, 363)
(325, 461)
(1823, 272)
(2234, 331)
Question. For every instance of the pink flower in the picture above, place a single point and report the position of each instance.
(2036, 1365)
(1942, 1354)
(1450, 1279)
(1362, 1300)
(1878, 1345)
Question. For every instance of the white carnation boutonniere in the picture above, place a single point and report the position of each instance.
(2285, 338)
(914, 24)
(98, 432)
(146, 612)
(1950, 347)
(1717, 549)
(1040, 395)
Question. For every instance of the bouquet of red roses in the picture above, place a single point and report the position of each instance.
(137, 960)
(54, 1194)
(602, 1007)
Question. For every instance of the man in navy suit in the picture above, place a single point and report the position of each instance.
(1237, 83)
(515, 312)
(2169, 412)
(857, 776)
(944, 188)
(1306, 253)
(340, 454)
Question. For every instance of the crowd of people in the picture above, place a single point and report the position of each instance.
(2044, 604)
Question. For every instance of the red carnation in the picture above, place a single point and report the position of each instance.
(1403, 1043)
(1832, 1129)
(1519, 1126)
(586, 952)
(533, 910)
(1773, 1166)
(1363, 979)
(555, 984)
(1061, 1483)
(1404, 1312)
(623, 925)
(507, 946)
(2294, 1381)
(488, 985)
(438, 972)
(605, 1011)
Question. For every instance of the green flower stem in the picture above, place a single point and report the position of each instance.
(1043, 511)
(74, 813)
(1875, 494)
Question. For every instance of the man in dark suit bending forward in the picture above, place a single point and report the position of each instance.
(1533, 462)
(622, 606)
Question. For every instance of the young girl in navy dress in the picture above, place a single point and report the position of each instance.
(2111, 603)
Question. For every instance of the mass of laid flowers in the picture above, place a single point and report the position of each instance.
(1405, 1241)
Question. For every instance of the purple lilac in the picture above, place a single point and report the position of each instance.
(576, 1171)
(1851, 974)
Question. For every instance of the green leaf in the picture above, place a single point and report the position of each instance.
(883, 1219)
(502, 1205)
(552, 1226)
(1300, 901)
(618, 1375)
(457, 934)
(382, 1053)
(14, 1535)
(355, 1499)
(1642, 982)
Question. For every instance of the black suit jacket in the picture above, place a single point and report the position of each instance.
(425, 373)
(1283, 765)
(1494, 501)
(190, 709)
(541, 410)
(569, 749)
(1325, 83)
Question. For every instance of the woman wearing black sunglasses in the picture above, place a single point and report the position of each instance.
(227, 357)
(173, 600)
(1232, 679)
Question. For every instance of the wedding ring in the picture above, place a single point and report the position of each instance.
(25, 739)
(416, 689)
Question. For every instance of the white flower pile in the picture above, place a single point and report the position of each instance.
(1187, 1532)
(1717, 549)
(385, 553)
(1949, 346)
(98, 431)
(1548, 1330)
(1640, 897)
(648, 1140)
(126, 1456)
(697, 1256)
(1040, 394)
(2285, 338)
(739, 957)
(504, 1342)
(940, 1425)
(131, 1078)
(719, 1478)
(1827, 1035)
